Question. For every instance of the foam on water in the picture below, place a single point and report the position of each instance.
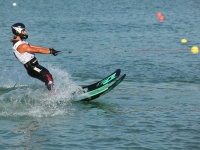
(24, 96)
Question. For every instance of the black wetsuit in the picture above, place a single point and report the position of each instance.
(35, 70)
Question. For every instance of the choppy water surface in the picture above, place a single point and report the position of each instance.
(157, 106)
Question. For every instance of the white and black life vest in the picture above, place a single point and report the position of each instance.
(25, 57)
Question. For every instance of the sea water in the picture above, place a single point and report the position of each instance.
(156, 107)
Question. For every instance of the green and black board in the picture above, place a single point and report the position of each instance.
(103, 86)
(113, 76)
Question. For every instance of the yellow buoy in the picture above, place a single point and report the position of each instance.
(194, 50)
(183, 41)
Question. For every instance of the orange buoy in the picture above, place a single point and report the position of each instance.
(161, 18)
(159, 14)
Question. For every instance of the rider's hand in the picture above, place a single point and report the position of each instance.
(53, 51)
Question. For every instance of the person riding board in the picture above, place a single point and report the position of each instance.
(25, 53)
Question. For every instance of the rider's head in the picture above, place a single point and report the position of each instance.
(18, 29)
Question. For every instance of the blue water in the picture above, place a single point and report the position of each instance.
(156, 107)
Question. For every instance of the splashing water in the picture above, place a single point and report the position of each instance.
(21, 95)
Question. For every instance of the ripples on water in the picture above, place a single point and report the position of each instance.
(155, 107)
